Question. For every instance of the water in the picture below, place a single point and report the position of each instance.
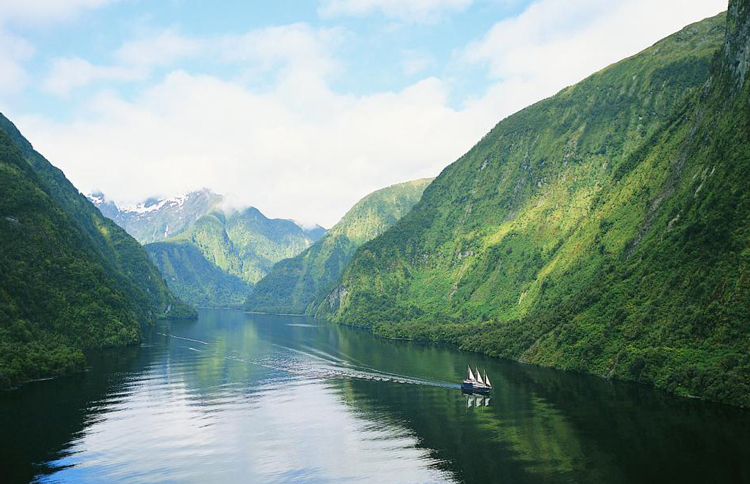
(236, 398)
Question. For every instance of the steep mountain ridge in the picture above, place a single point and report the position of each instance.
(602, 230)
(294, 285)
(224, 253)
(245, 243)
(121, 253)
(157, 219)
(194, 279)
(69, 277)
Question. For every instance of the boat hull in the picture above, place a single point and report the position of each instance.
(470, 387)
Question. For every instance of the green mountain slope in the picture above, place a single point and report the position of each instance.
(122, 253)
(293, 284)
(63, 288)
(602, 230)
(243, 244)
(194, 279)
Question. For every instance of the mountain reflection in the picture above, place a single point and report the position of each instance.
(234, 397)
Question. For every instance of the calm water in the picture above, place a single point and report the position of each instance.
(234, 398)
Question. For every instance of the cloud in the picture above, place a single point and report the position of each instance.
(307, 156)
(422, 11)
(555, 43)
(67, 74)
(413, 62)
(255, 54)
(14, 51)
(40, 12)
(162, 49)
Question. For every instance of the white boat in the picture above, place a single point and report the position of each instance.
(475, 383)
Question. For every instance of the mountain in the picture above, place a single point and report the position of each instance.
(158, 219)
(243, 244)
(194, 279)
(293, 284)
(603, 230)
(69, 277)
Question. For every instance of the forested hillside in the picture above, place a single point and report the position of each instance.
(69, 277)
(239, 247)
(194, 279)
(295, 285)
(603, 230)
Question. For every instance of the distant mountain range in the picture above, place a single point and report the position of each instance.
(208, 254)
(295, 285)
(159, 219)
(156, 219)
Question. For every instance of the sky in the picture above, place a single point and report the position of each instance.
(297, 107)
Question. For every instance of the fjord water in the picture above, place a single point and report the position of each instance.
(236, 397)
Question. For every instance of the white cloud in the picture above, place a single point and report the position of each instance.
(413, 62)
(412, 10)
(294, 147)
(556, 43)
(163, 49)
(14, 51)
(309, 156)
(38, 12)
(256, 53)
(69, 73)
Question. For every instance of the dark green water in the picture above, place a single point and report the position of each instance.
(235, 398)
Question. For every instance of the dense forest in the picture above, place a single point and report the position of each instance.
(216, 261)
(297, 284)
(604, 230)
(70, 278)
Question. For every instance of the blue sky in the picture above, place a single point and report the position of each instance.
(298, 107)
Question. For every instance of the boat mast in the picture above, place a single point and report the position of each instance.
(479, 377)
(486, 380)
(471, 375)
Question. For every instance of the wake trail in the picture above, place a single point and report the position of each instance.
(318, 364)
(183, 338)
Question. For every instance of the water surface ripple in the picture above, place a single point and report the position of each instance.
(235, 397)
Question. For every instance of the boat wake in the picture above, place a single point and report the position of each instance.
(314, 363)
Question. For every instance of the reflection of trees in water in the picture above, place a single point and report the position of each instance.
(517, 437)
(38, 420)
(547, 425)
(539, 424)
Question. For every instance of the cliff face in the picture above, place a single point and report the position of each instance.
(603, 230)
(736, 52)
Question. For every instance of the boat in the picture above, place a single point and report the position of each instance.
(474, 382)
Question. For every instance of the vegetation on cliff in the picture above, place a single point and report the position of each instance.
(603, 230)
(296, 285)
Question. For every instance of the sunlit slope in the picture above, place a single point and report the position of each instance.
(245, 243)
(216, 262)
(603, 230)
(293, 284)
